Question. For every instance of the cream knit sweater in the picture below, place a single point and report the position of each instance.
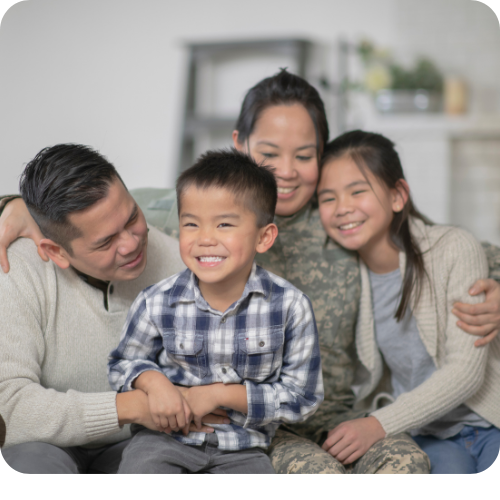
(55, 337)
(454, 260)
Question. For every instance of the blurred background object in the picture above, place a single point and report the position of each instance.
(152, 84)
(2, 431)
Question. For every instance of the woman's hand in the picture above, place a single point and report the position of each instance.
(351, 440)
(16, 222)
(483, 319)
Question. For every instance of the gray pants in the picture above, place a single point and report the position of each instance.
(43, 458)
(153, 452)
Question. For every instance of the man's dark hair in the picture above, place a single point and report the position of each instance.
(61, 180)
(229, 169)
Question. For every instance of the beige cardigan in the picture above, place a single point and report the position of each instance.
(454, 260)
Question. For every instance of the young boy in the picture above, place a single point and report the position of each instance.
(224, 333)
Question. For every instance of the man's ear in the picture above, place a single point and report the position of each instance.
(268, 235)
(237, 145)
(55, 252)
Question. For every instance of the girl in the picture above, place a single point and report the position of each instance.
(283, 123)
(444, 390)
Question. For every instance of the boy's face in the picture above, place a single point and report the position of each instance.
(218, 237)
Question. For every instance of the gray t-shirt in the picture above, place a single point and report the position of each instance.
(406, 356)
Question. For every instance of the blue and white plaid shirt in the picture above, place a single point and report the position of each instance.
(267, 340)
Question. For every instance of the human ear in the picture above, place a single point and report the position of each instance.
(400, 195)
(237, 145)
(55, 252)
(268, 235)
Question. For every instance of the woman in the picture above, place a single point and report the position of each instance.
(283, 123)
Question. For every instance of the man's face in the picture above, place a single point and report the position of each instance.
(114, 237)
(218, 237)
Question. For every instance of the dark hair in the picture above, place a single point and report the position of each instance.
(230, 169)
(283, 88)
(377, 153)
(61, 180)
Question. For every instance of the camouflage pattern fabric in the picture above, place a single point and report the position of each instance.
(493, 256)
(292, 454)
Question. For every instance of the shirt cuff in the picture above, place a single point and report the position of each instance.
(5, 199)
(136, 371)
(261, 401)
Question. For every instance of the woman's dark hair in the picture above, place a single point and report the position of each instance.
(377, 153)
(283, 88)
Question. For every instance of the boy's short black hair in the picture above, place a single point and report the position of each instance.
(63, 179)
(253, 184)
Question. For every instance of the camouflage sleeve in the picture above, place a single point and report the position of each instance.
(159, 207)
(493, 256)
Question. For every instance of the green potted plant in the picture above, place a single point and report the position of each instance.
(397, 89)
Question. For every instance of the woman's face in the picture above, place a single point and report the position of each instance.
(284, 138)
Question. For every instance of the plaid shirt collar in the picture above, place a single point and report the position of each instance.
(186, 289)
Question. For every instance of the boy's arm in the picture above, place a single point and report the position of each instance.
(207, 398)
(138, 349)
(298, 392)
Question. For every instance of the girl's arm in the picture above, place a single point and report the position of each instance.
(454, 264)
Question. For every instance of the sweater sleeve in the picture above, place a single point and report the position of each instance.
(31, 411)
(458, 262)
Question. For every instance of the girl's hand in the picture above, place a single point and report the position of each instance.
(481, 319)
(16, 222)
(351, 440)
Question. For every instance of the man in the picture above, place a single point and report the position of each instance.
(60, 319)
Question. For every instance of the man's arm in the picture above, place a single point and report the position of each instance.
(31, 411)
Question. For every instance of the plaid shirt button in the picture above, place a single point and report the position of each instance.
(262, 343)
(223, 320)
(224, 371)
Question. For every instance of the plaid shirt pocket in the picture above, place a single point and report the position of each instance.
(187, 350)
(260, 353)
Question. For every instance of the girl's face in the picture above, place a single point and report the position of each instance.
(284, 138)
(356, 210)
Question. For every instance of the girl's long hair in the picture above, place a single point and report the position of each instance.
(377, 153)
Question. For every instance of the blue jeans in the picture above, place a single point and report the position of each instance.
(470, 451)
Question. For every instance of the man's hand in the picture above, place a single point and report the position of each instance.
(351, 440)
(481, 319)
(169, 410)
(16, 222)
(133, 408)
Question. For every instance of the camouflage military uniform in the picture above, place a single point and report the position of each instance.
(329, 275)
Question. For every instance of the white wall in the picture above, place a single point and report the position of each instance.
(110, 73)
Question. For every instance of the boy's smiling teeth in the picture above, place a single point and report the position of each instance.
(351, 225)
(285, 190)
(210, 258)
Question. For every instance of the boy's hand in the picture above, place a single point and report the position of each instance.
(351, 440)
(169, 410)
(202, 400)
